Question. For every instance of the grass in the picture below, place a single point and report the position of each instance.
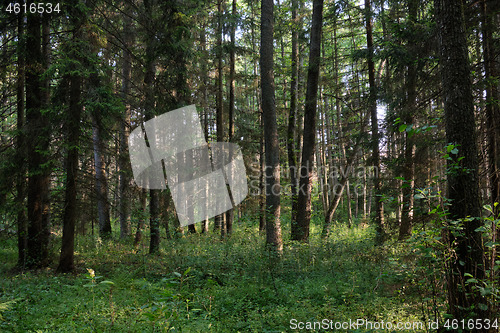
(199, 284)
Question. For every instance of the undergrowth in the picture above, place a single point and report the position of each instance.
(199, 284)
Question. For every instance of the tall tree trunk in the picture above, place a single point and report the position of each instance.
(379, 205)
(21, 146)
(123, 158)
(492, 118)
(292, 160)
(149, 109)
(38, 132)
(272, 169)
(232, 62)
(463, 182)
(408, 119)
(204, 73)
(301, 232)
(66, 260)
(220, 219)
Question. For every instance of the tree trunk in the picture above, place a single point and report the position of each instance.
(101, 182)
(408, 119)
(492, 119)
(142, 218)
(463, 188)
(149, 109)
(272, 169)
(66, 260)
(292, 160)
(379, 205)
(301, 232)
(21, 147)
(220, 219)
(38, 132)
(232, 62)
(123, 158)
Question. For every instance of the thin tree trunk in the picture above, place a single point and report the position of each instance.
(301, 232)
(220, 219)
(272, 172)
(262, 182)
(291, 147)
(493, 121)
(232, 61)
(379, 206)
(408, 119)
(149, 108)
(20, 146)
(205, 109)
(123, 158)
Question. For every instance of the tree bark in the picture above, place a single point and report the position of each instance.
(21, 147)
(101, 182)
(123, 158)
(301, 232)
(463, 183)
(232, 62)
(408, 119)
(379, 205)
(220, 222)
(38, 132)
(149, 109)
(272, 168)
(292, 160)
(66, 260)
(492, 118)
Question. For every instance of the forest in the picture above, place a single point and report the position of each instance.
(360, 191)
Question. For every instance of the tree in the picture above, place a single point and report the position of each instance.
(123, 158)
(301, 230)
(408, 117)
(39, 131)
(272, 167)
(292, 160)
(372, 105)
(149, 107)
(220, 219)
(463, 183)
(66, 260)
(21, 176)
(232, 63)
(492, 113)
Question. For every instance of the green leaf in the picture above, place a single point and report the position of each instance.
(483, 307)
(402, 128)
(107, 282)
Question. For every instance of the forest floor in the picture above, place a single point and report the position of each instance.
(199, 284)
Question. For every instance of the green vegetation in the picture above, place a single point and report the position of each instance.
(199, 284)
